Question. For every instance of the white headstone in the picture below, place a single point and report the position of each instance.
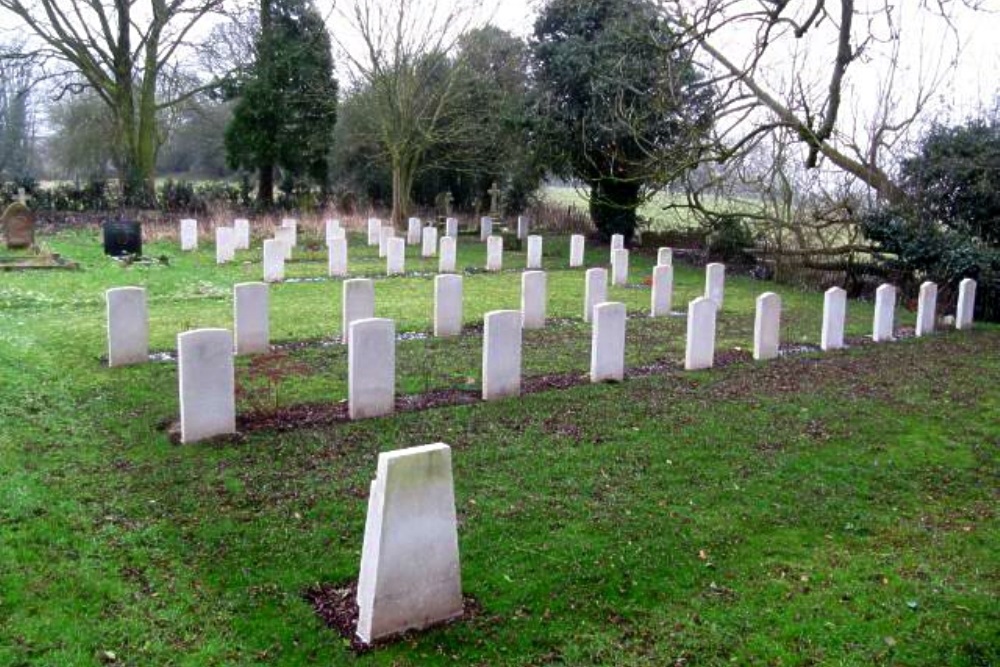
(485, 227)
(374, 228)
(333, 230)
(607, 344)
(834, 316)
(447, 305)
(966, 304)
(357, 303)
(337, 257)
(128, 326)
(767, 327)
(371, 368)
(189, 234)
(534, 297)
(286, 235)
(700, 351)
(885, 311)
(446, 262)
(523, 227)
(335, 235)
(927, 309)
(715, 283)
(501, 354)
(413, 231)
(410, 575)
(395, 263)
(241, 228)
(429, 242)
(207, 384)
(665, 257)
(225, 245)
(384, 234)
(494, 253)
(617, 242)
(619, 267)
(274, 260)
(451, 227)
(251, 319)
(576, 245)
(534, 252)
(595, 291)
(663, 290)
(292, 224)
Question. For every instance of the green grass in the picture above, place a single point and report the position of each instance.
(821, 509)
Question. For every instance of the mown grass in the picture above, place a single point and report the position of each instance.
(820, 509)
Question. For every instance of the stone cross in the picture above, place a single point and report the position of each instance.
(448, 201)
(22, 197)
(494, 193)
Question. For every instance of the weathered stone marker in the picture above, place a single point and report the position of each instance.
(926, 308)
(619, 268)
(371, 368)
(447, 305)
(413, 231)
(357, 303)
(333, 230)
(966, 304)
(410, 575)
(451, 227)
(274, 260)
(429, 242)
(122, 238)
(700, 351)
(665, 257)
(767, 327)
(501, 354)
(18, 223)
(662, 300)
(446, 262)
(374, 230)
(189, 234)
(494, 253)
(207, 385)
(834, 316)
(885, 311)
(534, 260)
(607, 343)
(251, 318)
(292, 224)
(617, 242)
(595, 291)
(534, 297)
(337, 257)
(241, 232)
(384, 234)
(225, 245)
(396, 260)
(715, 283)
(286, 235)
(485, 227)
(576, 245)
(128, 326)
(523, 227)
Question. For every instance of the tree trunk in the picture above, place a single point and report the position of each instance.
(612, 206)
(402, 185)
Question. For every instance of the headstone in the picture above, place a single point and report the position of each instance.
(834, 316)
(534, 252)
(494, 253)
(966, 304)
(286, 235)
(413, 231)
(371, 368)
(429, 242)
(225, 242)
(534, 297)
(607, 344)
(447, 305)
(337, 258)
(523, 227)
(333, 231)
(446, 262)
(292, 224)
(767, 327)
(501, 354)
(374, 229)
(927, 309)
(451, 227)
(665, 257)
(251, 318)
(715, 283)
(338, 233)
(274, 260)
(189, 234)
(241, 230)
(619, 268)
(207, 384)
(18, 223)
(122, 238)
(395, 263)
(485, 227)
(700, 350)
(576, 245)
(495, 193)
(885, 311)
(617, 242)
(384, 234)
(663, 290)
(357, 303)
(128, 326)
(410, 576)
(595, 291)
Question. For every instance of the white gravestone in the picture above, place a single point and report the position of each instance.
(607, 344)
(663, 290)
(241, 227)
(251, 319)
(534, 252)
(189, 234)
(292, 224)
(128, 326)
(337, 234)
(371, 368)
(534, 295)
(337, 258)
(617, 242)
(523, 227)
(333, 230)
(501, 354)
(413, 231)
(767, 327)
(576, 245)
(700, 350)
(446, 262)
(207, 384)
(834, 316)
(357, 303)
(966, 304)
(374, 229)
(410, 576)
(384, 234)
(485, 227)
(619, 268)
(926, 309)
(225, 241)
(447, 305)
(595, 291)
(395, 263)
(715, 283)
(665, 257)
(885, 311)
(494, 253)
(274, 260)
(286, 235)
(429, 242)
(451, 227)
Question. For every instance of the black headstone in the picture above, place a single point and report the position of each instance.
(122, 237)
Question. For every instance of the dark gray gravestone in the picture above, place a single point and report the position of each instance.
(122, 237)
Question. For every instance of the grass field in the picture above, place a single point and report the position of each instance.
(834, 509)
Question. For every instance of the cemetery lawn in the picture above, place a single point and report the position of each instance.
(825, 509)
